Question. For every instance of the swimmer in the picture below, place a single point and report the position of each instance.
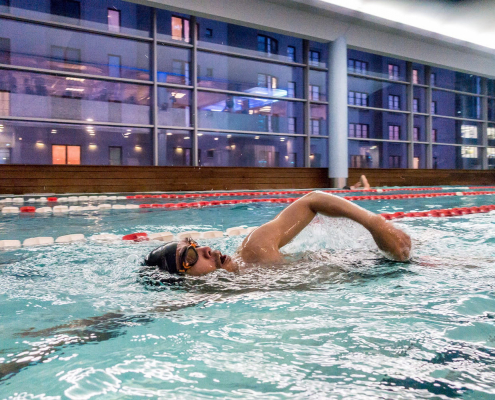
(262, 246)
(362, 183)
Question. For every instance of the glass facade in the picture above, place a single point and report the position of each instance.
(422, 117)
(118, 83)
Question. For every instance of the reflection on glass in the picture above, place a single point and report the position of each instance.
(85, 52)
(491, 157)
(456, 105)
(58, 97)
(223, 111)
(490, 132)
(363, 63)
(377, 124)
(255, 77)
(50, 143)
(174, 148)
(447, 79)
(318, 120)
(318, 156)
(456, 131)
(174, 107)
(88, 14)
(317, 86)
(238, 150)
(456, 157)
(420, 154)
(418, 74)
(173, 65)
(368, 154)
(379, 94)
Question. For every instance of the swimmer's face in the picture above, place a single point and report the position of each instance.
(208, 261)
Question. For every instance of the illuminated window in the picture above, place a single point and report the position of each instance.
(5, 156)
(433, 135)
(291, 53)
(180, 29)
(433, 107)
(113, 20)
(357, 66)
(358, 98)
(433, 79)
(267, 81)
(393, 102)
(415, 105)
(469, 131)
(4, 103)
(490, 132)
(469, 152)
(314, 58)
(415, 76)
(268, 45)
(358, 130)
(393, 132)
(393, 72)
(314, 92)
(62, 154)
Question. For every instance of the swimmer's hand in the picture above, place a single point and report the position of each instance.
(389, 239)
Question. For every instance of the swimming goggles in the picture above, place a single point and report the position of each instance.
(188, 256)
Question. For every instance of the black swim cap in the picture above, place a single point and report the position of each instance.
(164, 257)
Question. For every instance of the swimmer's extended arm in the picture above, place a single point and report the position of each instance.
(263, 244)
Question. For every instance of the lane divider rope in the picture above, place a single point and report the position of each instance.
(235, 231)
(62, 209)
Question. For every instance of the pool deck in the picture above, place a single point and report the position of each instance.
(23, 179)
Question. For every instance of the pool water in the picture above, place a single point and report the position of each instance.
(338, 321)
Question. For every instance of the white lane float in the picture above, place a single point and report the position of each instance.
(162, 236)
(42, 200)
(251, 228)
(100, 198)
(18, 200)
(10, 244)
(83, 198)
(131, 206)
(10, 210)
(44, 210)
(60, 209)
(31, 200)
(118, 207)
(89, 208)
(73, 199)
(63, 199)
(105, 237)
(236, 231)
(75, 208)
(93, 198)
(111, 197)
(6, 200)
(104, 206)
(37, 241)
(211, 234)
(186, 234)
(121, 198)
(76, 237)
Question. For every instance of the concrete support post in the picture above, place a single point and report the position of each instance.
(429, 120)
(307, 105)
(410, 116)
(484, 126)
(338, 170)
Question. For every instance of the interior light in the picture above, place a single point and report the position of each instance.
(54, 131)
(7, 144)
(229, 136)
(92, 134)
(20, 138)
(92, 146)
(216, 138)
(169, 133)
(286, 157)
(179, 95)
(40, 144)
(256, 137)
(137, 148)
(200, 134)
(70, 89)
(187, 137)
(89, 119)
(372, 147)
(75, 79)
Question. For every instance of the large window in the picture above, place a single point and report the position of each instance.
(113, 20)
(267, 44)
(62, 154)
(180, 29)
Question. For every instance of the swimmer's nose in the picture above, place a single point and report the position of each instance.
(205, 250)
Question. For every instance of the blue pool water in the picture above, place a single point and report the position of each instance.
(339, 321)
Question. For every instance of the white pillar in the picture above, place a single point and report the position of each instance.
(337, 113)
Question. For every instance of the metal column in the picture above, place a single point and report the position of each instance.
(154, 93)
(484, 125)
(194, 83)
(410, 116)
(337, 113)
(429, 120)
(307, 105)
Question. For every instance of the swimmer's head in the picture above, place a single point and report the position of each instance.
(187, 257)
